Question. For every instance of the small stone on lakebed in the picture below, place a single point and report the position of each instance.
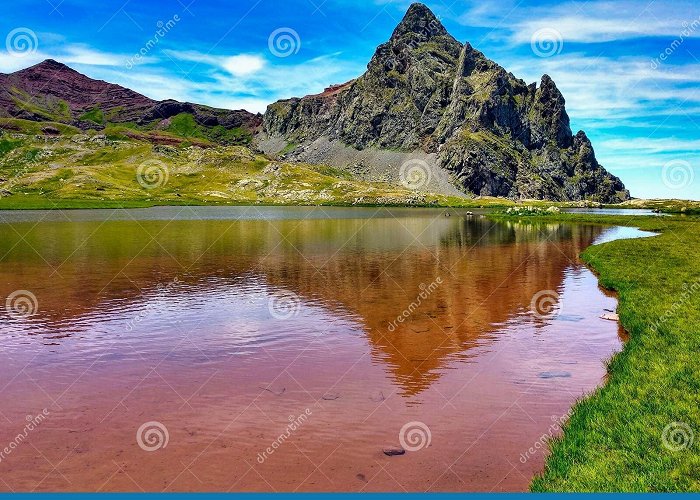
(554, 374)
(392, 451)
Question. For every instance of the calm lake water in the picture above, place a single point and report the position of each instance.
(269, 349)
(614, 211)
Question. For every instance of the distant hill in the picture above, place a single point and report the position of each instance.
(51, 91)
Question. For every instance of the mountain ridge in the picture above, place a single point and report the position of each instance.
(88, 103)
(430, 113)
(425, 92)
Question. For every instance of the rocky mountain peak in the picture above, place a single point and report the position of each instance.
(424, 93)
(419, 21)
(52, 64)
(50, 68)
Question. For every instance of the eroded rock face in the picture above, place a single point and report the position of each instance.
(424, 90)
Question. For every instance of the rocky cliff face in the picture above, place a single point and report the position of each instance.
(426, 92)
(52, 91)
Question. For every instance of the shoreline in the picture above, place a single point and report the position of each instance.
(31, 202)
(635, 432)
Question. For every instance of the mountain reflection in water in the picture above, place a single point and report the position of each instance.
(221, 327)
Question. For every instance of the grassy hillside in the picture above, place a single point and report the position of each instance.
(53, 165)
(47, 165)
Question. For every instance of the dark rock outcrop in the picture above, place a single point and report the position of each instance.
(424, 90)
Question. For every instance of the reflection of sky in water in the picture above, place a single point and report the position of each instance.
(621, 233)
(613, 211)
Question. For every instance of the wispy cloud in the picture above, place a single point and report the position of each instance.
(256, 81)
(75, 54)
(585, 22)
(238, 65)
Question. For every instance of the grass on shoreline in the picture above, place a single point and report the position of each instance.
(641, 431)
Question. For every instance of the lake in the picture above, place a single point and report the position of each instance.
(291, 349)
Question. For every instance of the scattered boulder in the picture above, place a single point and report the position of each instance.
(49, 130)
(377, 397)
(554, 374)
(393, 451)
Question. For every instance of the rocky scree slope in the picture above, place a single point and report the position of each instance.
(425, 91)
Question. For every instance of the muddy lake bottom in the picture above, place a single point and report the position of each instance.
(288, 349)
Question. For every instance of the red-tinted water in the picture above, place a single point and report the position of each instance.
(286, 349)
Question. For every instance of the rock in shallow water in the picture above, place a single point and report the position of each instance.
(276, 390)
(554, 374)
(392, 451)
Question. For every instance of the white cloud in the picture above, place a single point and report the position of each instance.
(595, 28)
(617, 88)
(10, 63)
(75, 54)
(242, 65)
(649, 145)
(237, 65)
(80, 54)
(589, 22)
(252, 82)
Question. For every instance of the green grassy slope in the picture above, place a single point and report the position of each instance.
(71, 169)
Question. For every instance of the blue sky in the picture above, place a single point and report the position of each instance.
(641, 111)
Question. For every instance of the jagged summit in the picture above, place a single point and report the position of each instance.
(426, 95)
(419, 20)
